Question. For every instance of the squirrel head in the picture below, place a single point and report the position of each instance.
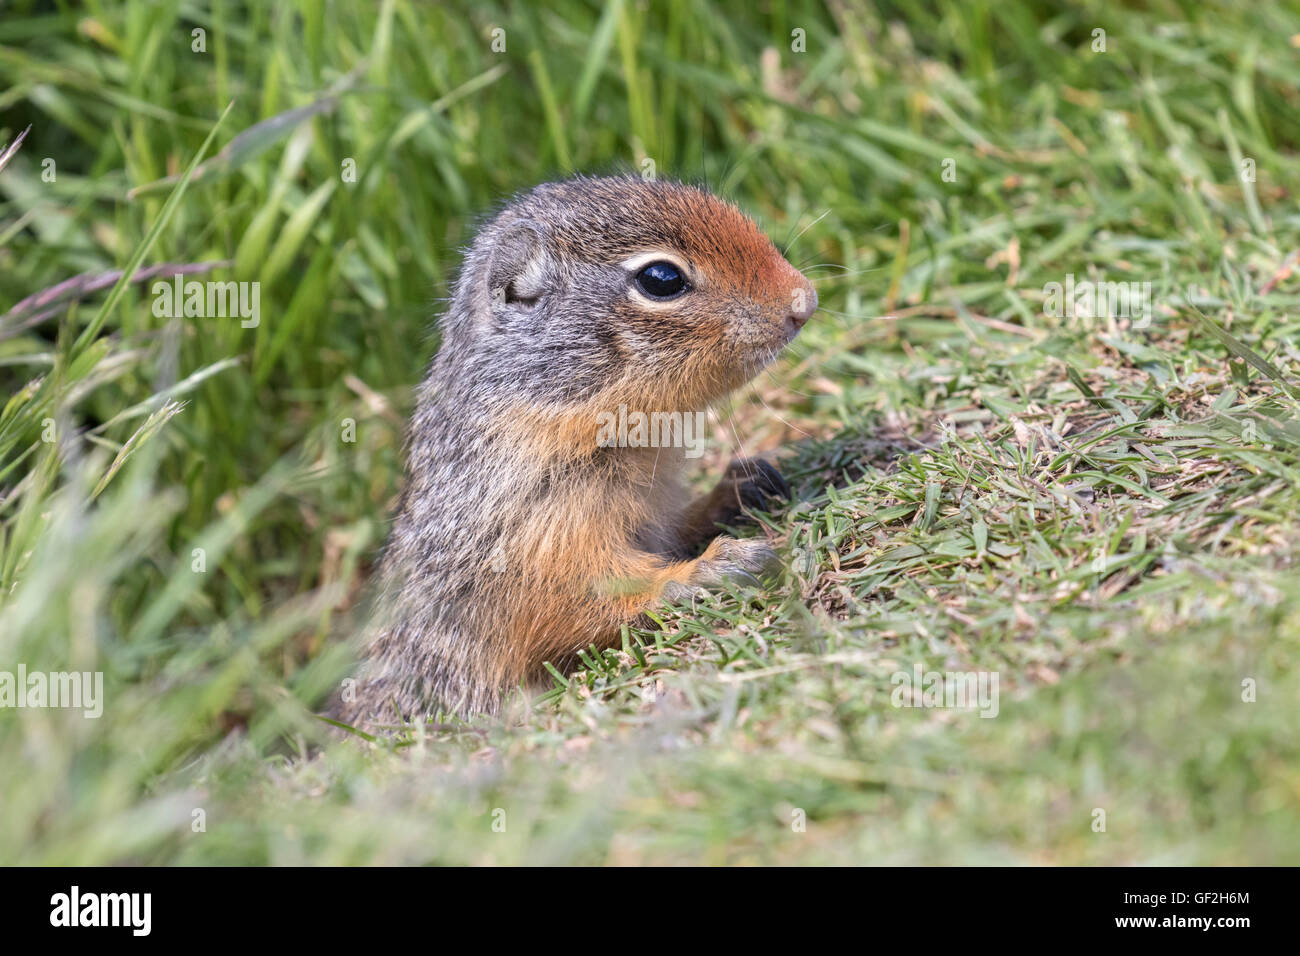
(650, 292)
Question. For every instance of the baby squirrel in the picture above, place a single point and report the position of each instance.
(521, 536)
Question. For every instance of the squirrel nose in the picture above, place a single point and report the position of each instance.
(803, 303)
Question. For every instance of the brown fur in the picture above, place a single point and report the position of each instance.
(520, 539)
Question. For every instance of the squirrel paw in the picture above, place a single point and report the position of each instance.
(751, 482)
(744, 561)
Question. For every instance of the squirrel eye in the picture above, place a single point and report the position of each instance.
(661, 280)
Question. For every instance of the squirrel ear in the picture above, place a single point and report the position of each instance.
(517, 269)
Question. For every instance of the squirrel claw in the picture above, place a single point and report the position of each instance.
(756, 482)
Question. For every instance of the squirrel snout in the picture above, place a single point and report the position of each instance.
(803, 303)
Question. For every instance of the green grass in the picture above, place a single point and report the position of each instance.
(1106, 513)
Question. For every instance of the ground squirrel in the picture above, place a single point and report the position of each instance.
(523, 535)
